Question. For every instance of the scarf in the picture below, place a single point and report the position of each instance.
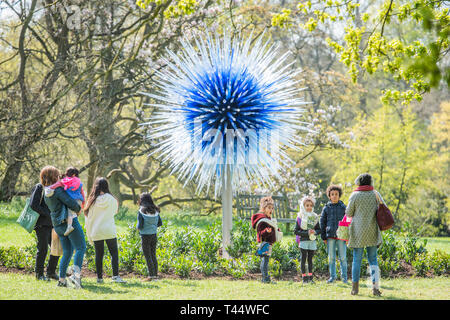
(308, 220)
(364, 188)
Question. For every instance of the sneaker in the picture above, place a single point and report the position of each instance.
(61, 284)
(118, 279)
(376, 292)
(268, 281)
(345, 281)
(68, 230)
(331, 280)
(305, 279)
(310, 279)
(75, 280)
(99, 280)
(42, 278)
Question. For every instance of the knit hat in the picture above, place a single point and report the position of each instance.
(265, 201)
(307, 217)
(308, 198)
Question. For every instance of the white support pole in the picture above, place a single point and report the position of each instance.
(227, 209)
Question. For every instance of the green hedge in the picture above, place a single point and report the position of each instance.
(188, 250)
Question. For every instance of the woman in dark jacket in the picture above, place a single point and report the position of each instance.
(43, 231)
(58, 201)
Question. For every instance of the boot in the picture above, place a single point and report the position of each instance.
(375, 290)
(305, 279)
(355, 288)
(51, 267)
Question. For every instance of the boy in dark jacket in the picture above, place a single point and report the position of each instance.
(332, 213)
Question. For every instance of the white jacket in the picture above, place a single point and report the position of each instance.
(100, 223)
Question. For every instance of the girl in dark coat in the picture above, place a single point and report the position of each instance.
(307, 228)
(43, 231)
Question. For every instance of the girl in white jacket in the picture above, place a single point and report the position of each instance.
(100, 226)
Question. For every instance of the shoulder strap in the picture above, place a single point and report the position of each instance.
(377, 196)
(269, 222)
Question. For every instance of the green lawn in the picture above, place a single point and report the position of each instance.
(25, 287)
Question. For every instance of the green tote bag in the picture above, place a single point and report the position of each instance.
(28, 217)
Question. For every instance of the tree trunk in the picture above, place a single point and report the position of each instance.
(8, 185)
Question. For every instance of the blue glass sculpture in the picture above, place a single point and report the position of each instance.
(226, 103)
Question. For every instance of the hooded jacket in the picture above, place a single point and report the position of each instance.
(100, 224)
(332, 213)
(57, 201)
(262, 232)
(148, 223)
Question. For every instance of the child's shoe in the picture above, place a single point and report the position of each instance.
(118, 279)
(75, 280)
(331, 280)
(376, 292)
(68, 230)
(42, 277)
(355, 288)
(61, 284)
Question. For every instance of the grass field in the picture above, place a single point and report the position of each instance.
(25, 287)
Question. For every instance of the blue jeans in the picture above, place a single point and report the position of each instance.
(342, 250)
(74, 241)
(356, 265)
(265, 268)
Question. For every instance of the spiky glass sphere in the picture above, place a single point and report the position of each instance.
(226, 102)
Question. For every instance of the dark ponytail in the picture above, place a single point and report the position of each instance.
(147, 204)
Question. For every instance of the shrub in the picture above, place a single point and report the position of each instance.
(234, 267)
(183, 240)
(129, 248)
(206, 244)
(421, 264)
(439, 261)
(121, 213)
(275, 269)
(207, 268)
(243, 239)
(183, 265)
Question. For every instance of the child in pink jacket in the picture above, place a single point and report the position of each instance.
(74, 188)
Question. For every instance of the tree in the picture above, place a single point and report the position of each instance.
(34, 100)
(419, 59)
(392, 146)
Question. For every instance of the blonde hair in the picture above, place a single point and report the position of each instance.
(264, 202)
